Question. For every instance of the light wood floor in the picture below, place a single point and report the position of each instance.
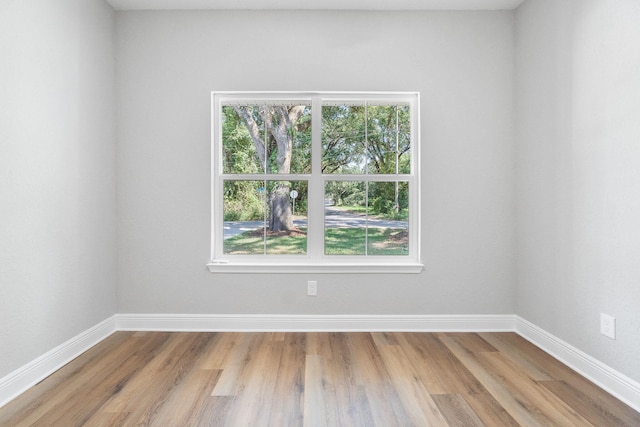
(315, 379)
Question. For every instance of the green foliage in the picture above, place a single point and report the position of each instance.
(239, 152)
(389, 199)
(372, 139)
(243, 201)
(346, 193)
(301, 144)
(383, 206)
(381, 197)
(343, 139)
(375, 139)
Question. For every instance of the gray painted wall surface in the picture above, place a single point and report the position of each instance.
(462, 63)
(578, 166)
(57, 174)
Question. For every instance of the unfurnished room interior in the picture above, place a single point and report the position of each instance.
(319, 212)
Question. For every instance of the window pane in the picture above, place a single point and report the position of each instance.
(287, 217)
(241, 153)
(382, 148)
(343, 139)
(300, 135)
(345, 218)
(388, 139)
(278, 136)
(244, 217)
(388, 210)
(249, 227)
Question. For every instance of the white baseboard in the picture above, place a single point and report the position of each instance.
(617, 384)
(310, 323)
(622, 387)
(35, 371)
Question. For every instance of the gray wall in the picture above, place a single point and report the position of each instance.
(57, 174)
(578, 166)
(462, 63)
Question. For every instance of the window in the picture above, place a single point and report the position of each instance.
(315, 182)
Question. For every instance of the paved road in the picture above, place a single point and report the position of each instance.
(337, 218)
(334, 218)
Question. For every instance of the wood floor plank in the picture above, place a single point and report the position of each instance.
(543, 367)
(484, 404)
(157, 385)
(495, 385)
(526, 392)
(39, 399)
(471, 342)
(159, 377)
(457, 411)
(371, 374)
(513, 349)
(109, 419)
(417, 401)
(348, 396)
(287, 403)
(235, 364)
(489, 410)
(592, 410)
(315, 379)
(385, 338)
(441, 365)
(531, 394)
(64, 405)
(214, 410)
(186, 406)
(256, 395)
(315, 408)
(345, 400)
(420, 359)
(224, 344)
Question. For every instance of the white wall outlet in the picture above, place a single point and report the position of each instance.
(312, 288)
(608, 325)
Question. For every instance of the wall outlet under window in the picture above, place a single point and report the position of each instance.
(312, 288)
(608, 325)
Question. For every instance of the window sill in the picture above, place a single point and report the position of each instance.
(224, 267)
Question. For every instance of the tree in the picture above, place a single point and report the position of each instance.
(273, 129)
(367, 139)
(276, 139)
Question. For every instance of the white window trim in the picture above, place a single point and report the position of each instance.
(318, 263)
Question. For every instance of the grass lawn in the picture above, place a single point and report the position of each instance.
(338, 241)
(253, 242)
(352, 241)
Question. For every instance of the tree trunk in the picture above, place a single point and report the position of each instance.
(280, 218)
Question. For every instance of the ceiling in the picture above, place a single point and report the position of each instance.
(315, 4)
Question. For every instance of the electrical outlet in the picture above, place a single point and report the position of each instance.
(608, 325)
(312, 288)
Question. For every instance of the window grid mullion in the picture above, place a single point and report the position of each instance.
(366, 172)
(265, 202)
(315, 208)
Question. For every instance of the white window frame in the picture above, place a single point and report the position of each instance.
(315, 261)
